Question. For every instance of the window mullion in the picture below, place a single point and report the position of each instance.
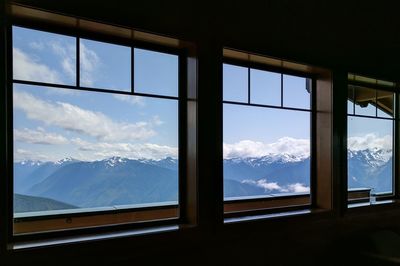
(132, 70)
(248, 85)
(78, 59)
(396, 148)
(281, 90)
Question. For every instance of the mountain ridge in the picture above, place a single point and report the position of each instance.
(120, 181)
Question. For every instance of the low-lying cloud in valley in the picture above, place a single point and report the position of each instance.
(276, 188)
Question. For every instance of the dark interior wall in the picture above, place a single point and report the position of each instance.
(355, 36)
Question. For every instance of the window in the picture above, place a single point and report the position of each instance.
(96, 132)
(371, 126)
(267, 121)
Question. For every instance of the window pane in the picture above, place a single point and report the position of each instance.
(265, 87)
(43, 57)
(105, 66)
(235, 83)
(266, 151)
(370, 153)
(350, 100)
(156, 73)
(385, 103)
(296, 92)
(365, 101)
(77, 150)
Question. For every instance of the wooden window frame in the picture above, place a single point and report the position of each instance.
(26, 229)
(321, 183)
(361, 197)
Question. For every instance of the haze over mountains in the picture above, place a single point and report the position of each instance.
(70, 183)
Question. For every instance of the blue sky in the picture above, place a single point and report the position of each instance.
(359, 126)
(248, 129)
(368, 132)
(53, 123)
(267, 125)
(265, 87)
(251, 131)
(105, 65)
(102, 125)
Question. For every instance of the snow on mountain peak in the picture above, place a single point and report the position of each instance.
(113, 161)
(268, 159)
(375, 157)
(31, 163)
(65, 160)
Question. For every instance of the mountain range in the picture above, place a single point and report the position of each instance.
(370, 169)
(71, 183)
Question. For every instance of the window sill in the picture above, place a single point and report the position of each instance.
(366, 208)
(239, 207)
(90, 218)
(268, 216)
(95, 237)
(368, 204)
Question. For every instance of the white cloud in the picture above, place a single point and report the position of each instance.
(76, 119)
(89, 62)
(370, 142)
(274, 186)
(24, 155)
(27, 68)
(298, 188)
(156, 120)
(103, 150)
(298, 148)
(67, 55)
(264, 184)
(39, 136)
(133, 100)
(37, 45)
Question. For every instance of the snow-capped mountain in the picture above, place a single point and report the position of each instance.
(371, 168)
(168, 162)
(109, 182)
(266, 175)
(266, 166)
(374, 158)
(269, 159)
(66, 160)
(114, 161)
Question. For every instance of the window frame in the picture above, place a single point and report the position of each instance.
(265, 205)
(357, 198)
(182, 99)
